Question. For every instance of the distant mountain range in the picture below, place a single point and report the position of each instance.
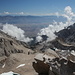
(31, 24)
(30, 19)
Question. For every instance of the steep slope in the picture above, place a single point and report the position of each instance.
(10, 45)
(14, 53)
(68, 34)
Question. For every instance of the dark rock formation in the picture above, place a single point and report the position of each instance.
(68, 34)
(53, 65)
(62, 45)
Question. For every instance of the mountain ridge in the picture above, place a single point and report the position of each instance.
(33, 19)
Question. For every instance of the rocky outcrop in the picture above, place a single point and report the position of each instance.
(53, 65)
(40, 66)
(68, 34)
(62, 45)
(9, 45)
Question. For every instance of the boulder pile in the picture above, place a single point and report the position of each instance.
(55, 62)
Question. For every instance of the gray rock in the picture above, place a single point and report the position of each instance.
(52, 65)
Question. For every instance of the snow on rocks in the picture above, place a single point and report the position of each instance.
(21, 65)
(3, 66)
(10, 73)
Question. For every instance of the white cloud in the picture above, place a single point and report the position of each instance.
(68, 10)
(14, 31)
(57, 26)
(69, 14)
(57, 14)
(10, 13)
(21, 13)
(7, 13)
(38, 38)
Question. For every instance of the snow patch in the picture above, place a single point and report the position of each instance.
(10, 73)
(73, 52)
(3, 66)
(20, 65)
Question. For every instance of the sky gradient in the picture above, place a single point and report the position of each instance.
(34, 7)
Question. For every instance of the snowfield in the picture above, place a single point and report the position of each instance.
(9, 73)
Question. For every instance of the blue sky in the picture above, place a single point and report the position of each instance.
(34, 7)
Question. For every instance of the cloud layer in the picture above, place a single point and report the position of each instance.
(57, 26)
(14, 31)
